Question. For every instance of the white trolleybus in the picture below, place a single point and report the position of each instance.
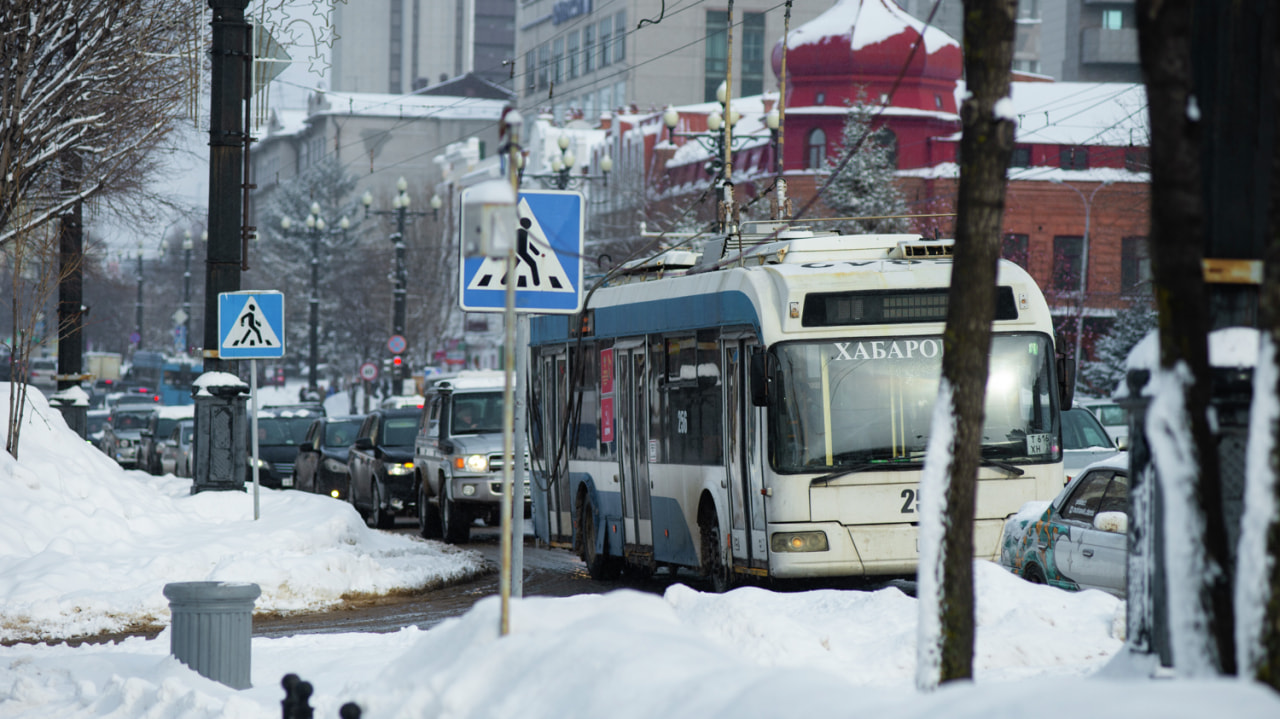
(768, 415)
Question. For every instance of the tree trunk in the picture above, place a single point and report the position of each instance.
(951, 466)
(1182, 444)
(1258, 573)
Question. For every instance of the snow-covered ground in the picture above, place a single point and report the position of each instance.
(87, 547)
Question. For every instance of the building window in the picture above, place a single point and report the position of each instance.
(1135, 266)
(1067, 258)
(588, 49)
(1073, 157)
(1112, 19)
(1137, 159)
(1014, 249)
(752, 53)
(717, 62)
(815, 149)
(544, 65)
(557, 60)
(1021, 156)
(620, 94)
(620, 36)
(606, 34)
(572, 56)
(530, 72)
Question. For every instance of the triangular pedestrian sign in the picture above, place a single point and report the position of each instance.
(251, 330)
(538, 268)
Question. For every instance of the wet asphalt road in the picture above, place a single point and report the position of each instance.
(547, 572)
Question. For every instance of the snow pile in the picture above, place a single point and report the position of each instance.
(87, 547)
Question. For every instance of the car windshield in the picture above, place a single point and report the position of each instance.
(341, 433)
(850, 402)
(130, 421)
(1080, 430)
(1111, 415)
(283, 430)
(164, 427)
(94, 425)
(476, 412)
(188, 435)
(399, 431)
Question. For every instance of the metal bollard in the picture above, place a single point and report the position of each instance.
(212, 628)
(296, 703)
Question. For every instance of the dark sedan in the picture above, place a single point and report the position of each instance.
(381, 466)
(281, 430)
(322, 456)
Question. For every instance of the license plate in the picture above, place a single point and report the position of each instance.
(1038, 444)
(286, 482)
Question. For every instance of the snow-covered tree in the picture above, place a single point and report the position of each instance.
(948, 484)
(1106, 370)
(89, 93)
(864, 185)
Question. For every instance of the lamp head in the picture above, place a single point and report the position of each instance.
(563, 142)
(670, 118)
(367, 199)
(285, 223)
(734, 116)
(714, 121)
(606, 164)
(722, 92)
(402, 184)
(772, 120)
(556, 166)
(320, 224)
(436, 202)
(344, 223)
(311, 222)
(569, 158)
(315, 209)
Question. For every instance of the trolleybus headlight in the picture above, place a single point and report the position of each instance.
(477, 463)
(799, 542)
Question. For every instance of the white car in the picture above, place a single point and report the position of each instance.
(1114, 418)
(1084, 441)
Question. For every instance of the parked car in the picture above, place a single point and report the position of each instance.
(380, 464)
(95, 423)
(123, 432)
(281, 430)
(401, 401)
(458, 455)
(1114, 418)
(175, 450)
(158, 429)
(1077, 541)
(322, 457)
(1084, 441)
(43, 374)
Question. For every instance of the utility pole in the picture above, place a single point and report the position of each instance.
(220, 408)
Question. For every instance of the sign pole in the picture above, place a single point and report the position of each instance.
(253, 429)
(508, 394)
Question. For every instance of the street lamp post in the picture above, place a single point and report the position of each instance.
(315, 227)
(186, 290)
(400, 208)
(1084, 261)
(137, 307)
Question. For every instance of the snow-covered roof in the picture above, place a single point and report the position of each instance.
(951, 171)
(868, 22)
(444, 107)
(185, 411)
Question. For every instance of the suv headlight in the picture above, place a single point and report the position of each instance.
(472, 463)
(334, 465)
(397, 469)
(262, 463)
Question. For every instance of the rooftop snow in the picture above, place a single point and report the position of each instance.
(872, 21)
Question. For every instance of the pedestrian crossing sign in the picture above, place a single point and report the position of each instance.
(549, 267)
(251, 324)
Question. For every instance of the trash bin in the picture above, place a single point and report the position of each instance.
(213, 628)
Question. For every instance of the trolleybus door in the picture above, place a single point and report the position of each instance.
(554, 483)
(631, 429)
(742, 458)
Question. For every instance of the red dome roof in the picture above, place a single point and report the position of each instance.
(865, 42)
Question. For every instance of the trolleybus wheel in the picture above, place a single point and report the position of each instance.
(713, 566)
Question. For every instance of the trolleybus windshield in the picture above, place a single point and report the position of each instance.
(868, 402)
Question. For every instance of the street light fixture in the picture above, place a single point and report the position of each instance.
(315, 225)
(1084, 259)
(138, 304)
(187, 246)
(400, 208)
(562, 177)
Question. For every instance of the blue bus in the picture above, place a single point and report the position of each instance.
(170, 377)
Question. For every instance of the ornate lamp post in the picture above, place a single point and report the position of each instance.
(137, 307)
(315, 227)
(562, 177)
(1084, 262)
(400, 208)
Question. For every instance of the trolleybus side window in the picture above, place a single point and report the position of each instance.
(693, 399)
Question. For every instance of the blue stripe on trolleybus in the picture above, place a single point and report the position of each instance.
(665, 315)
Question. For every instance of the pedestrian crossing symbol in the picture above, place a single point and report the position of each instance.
(548, 249)
(251, 325)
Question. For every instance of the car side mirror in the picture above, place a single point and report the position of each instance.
(1114, 522)
(364, 443)
(1122, 444)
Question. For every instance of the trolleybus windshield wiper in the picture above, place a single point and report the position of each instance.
(887, 463)
(1010, 468)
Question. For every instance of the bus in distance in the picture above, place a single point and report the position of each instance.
(767, 414)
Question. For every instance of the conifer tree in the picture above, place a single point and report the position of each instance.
(865, 186)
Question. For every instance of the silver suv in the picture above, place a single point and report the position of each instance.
(458, 456)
